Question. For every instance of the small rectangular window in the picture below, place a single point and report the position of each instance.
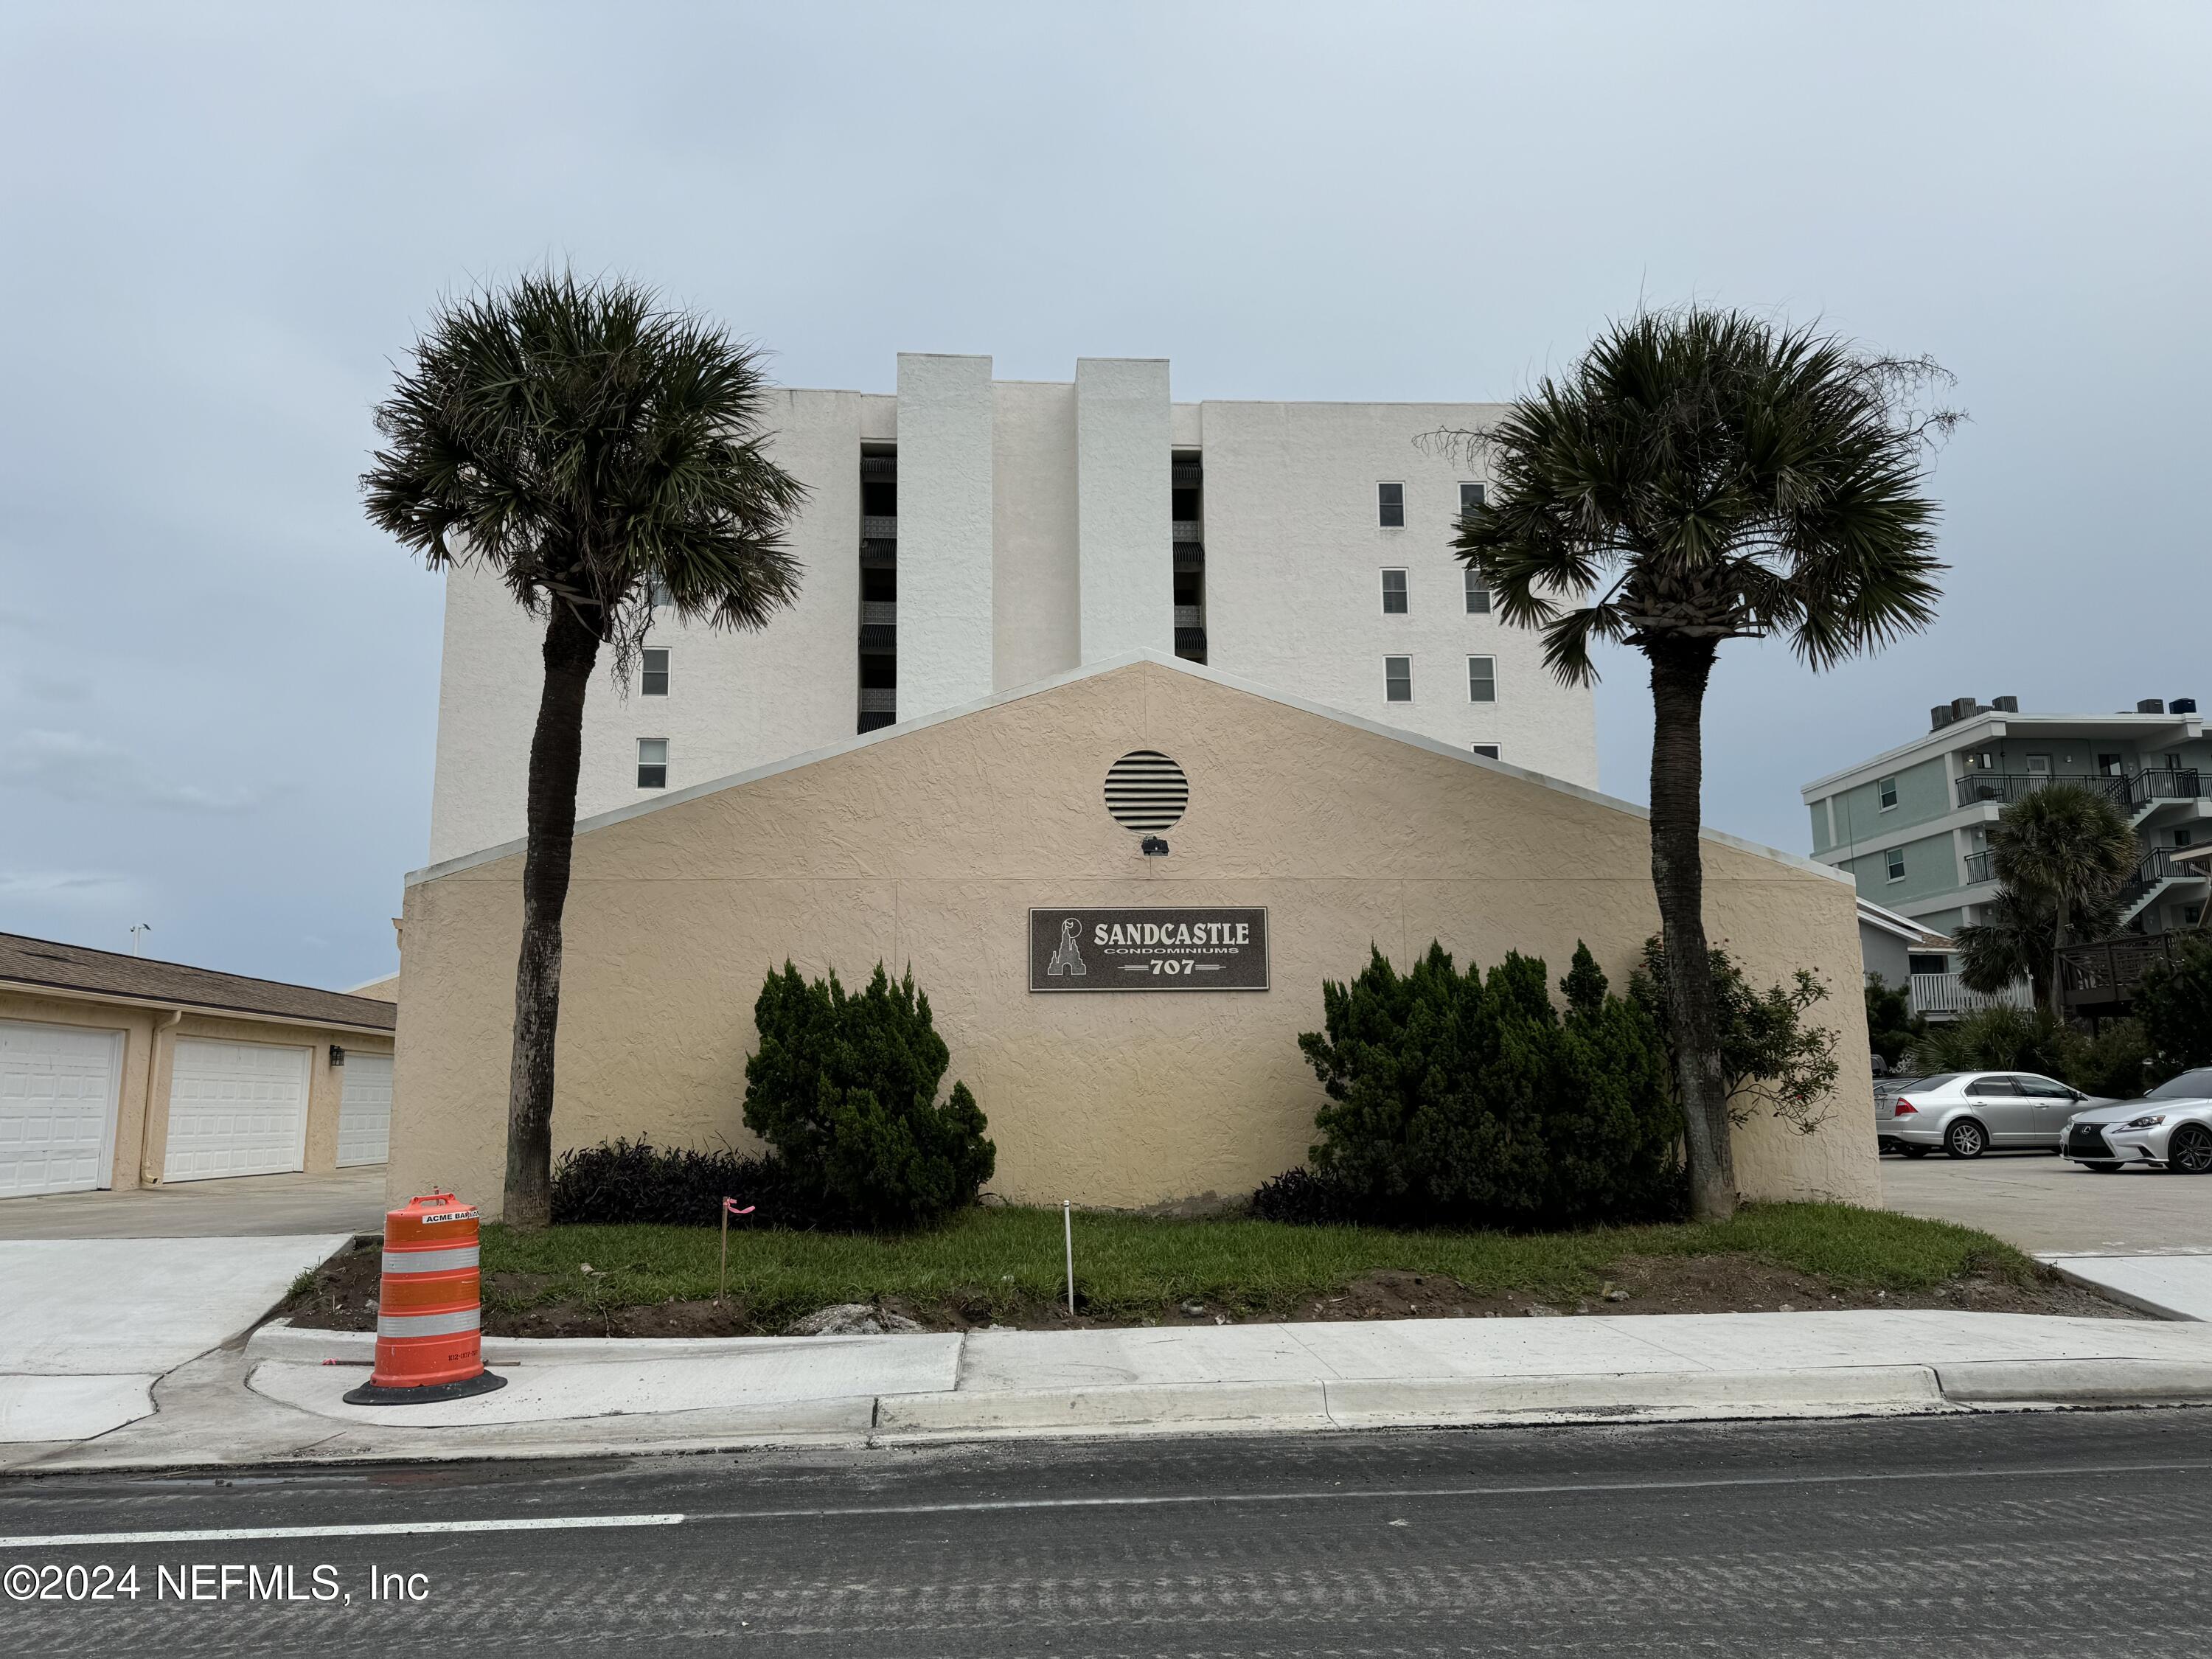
(1393, 592)
(653, 673)
(1390, 504)
(1470, 497)
(1888, 787)
(1477, 595)
(658, 591)
(1397, 679)
(2108, 766)
(2182, 837)
(1487, 751)
(1894, 858)
(1481, 679)
(1927, 963)
(653, 762)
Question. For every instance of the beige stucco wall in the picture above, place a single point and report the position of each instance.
(929, 846)
(148, 1045)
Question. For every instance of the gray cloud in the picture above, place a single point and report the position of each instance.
(62, 888)
(86, 771)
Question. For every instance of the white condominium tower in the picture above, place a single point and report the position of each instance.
(965, 536)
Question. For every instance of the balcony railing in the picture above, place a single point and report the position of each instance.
(1186, 474)
(2130, 791)
(880, 527)
(2098, 975)
(1942, 994)
(1190, 616)
(879, 699)
(1188, 530)
(2146, 786)
(879, 613)
(2005, 787)
(1978, 868)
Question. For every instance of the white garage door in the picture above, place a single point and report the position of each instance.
(58, 1092)
(235, 1109)
(365, 1109)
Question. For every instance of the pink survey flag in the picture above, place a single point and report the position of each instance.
(730, 1207)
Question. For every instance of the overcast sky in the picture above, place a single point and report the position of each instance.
(221, 224)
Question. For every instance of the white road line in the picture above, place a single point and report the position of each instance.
(381, 1529)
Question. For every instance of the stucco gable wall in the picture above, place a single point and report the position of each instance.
(930, 846)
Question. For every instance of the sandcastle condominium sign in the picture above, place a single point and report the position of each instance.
(1176, 949)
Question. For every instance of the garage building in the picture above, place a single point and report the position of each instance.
(118, 1072)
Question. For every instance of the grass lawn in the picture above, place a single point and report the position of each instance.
(1007, 1260)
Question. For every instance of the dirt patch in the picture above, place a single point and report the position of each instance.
(344, 1298)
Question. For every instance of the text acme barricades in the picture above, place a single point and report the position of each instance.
(429, 1310)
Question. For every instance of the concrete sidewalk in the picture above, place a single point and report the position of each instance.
(88, 1325)
(276, 1399)
(2166, 1285)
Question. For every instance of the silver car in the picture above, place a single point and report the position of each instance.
(1967, 1113)
(2169, 1128)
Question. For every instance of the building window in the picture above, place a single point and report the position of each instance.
(653, 762)
(1477, 595)
(2108, 766)
(1894, 859)
(1397, 679)
(1917, 961)
(2191, 915)
(1470, 497)
(657, 590)
(1481, 679)
(2182, 838)
(1390, 504)
(1393, 592)
(1487, 751)
(1888, 787)
(652, 676)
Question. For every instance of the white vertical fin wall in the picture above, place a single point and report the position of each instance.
(945, 532)
(1035, 579)
(1124, 439)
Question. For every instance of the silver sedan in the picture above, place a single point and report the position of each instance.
(1967, 1113)
(2169, 1128)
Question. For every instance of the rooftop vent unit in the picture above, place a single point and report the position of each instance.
(1963, 708)
(2182, 706)
(2005, 705)
(2151, 706)
(1940, 716)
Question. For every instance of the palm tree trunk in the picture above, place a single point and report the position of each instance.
(556, 757)
(2058, 955)
(1680, 670)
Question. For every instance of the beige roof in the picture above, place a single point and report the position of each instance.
(43, 964)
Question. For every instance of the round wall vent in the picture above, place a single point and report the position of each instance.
(1145, 791)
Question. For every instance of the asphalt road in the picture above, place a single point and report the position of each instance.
(2026, 1535)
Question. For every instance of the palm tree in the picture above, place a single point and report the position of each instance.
(586, 444)
(2015, 941)
(2066, 847)
(1703, 476)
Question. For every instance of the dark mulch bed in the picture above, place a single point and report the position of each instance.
(343, 1298)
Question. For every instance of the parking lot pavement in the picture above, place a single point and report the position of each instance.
(2048, 1206)
(245, 1207)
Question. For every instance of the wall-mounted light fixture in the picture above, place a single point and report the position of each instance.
(1154, 847)
(338, 1055)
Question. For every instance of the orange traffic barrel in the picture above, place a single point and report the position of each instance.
(429, 1314)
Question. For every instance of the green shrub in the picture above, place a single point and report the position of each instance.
(623, 1182)
(845, 1088)
(1461, 1099)
(1891, 1026)
(2174, 1004)
(2000, 1038)
(1770, 1055)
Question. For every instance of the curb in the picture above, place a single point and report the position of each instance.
(1423, 1402)
(2076, 1382)
(304, 1345)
